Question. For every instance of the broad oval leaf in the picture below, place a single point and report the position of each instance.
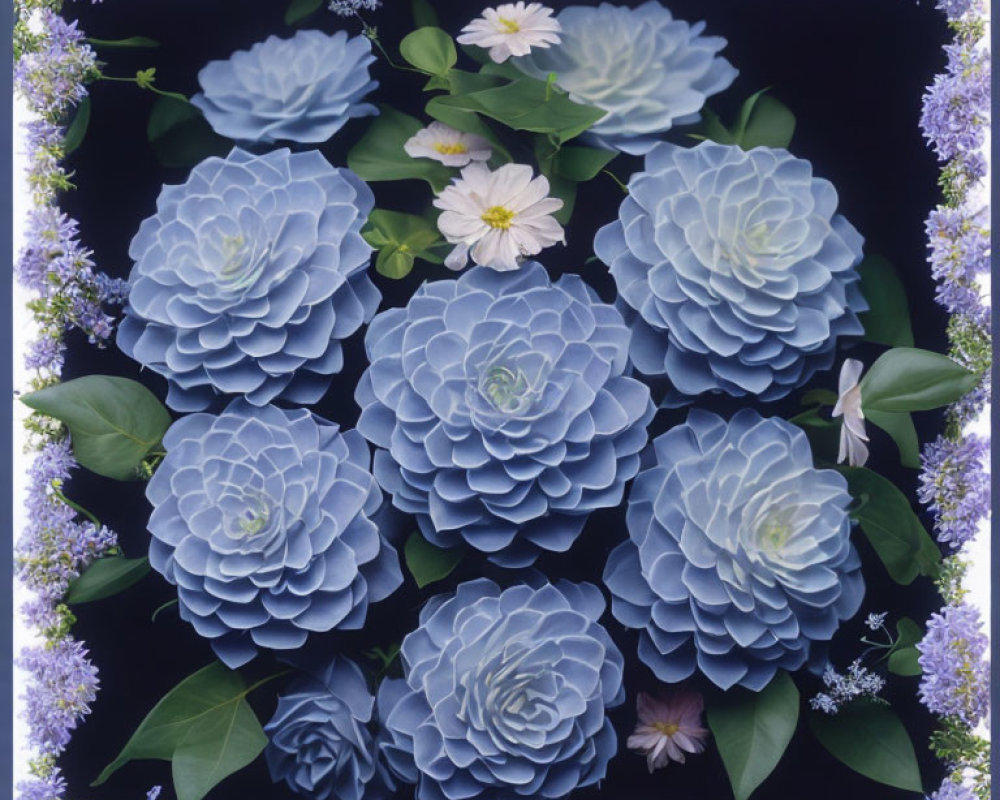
(379, 154)
(752, 731)
(180, 135)
(106, 577)
(430, 50)
(910, 379)
(899, 426)
(887, 520)
(424, 15)
(888, 319)
(869, 738)
(113, 422)
(904, 658)
(770, 124)
(428, 563)
(581, 164)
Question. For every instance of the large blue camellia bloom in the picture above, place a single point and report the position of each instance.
(248, 277)
(505, 694)
(500, 406)
(739, 554)
(263, 519)
(734, 270)
(319, 742)
(302, 89)
(648, 70)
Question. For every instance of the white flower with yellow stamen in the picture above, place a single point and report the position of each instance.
(500, 216)
(445, 144)
(512, 30)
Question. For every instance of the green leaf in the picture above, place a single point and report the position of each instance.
(401, 238)
(900, 427)
(78, 127)
(822, 397)
(903, 660)
(888, 521)
(530, 105)
(712, 128)
(424, 15)
(113, 422)
(180, 135)
(204, 725)
(106, 577)
(770, 124)
(888, 319)
(298, 10)
(909, 379)
(430, 50)
(581, 164)
(752, 731)
(215, 747)
(379, 154)
(428, 563)
(131, 41)
(869, 738)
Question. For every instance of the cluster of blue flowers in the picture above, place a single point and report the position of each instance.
(956, 487)
(956, 668)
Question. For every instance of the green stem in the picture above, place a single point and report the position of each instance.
(75, 506)
(161, 92)
(616, 179)
(268, 679)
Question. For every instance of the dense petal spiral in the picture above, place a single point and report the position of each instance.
(505, 694)
(734, 270)
(248, 277)
(302, 89)
(739, 554)
(262, 518)
(500, 410)
(648, 70)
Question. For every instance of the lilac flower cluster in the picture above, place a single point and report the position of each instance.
(350, 8)
(956, 106)
(952, 790)
(956, 9)
(43, 786)
(955, 486)
(52, 76)
(959, 246)
(858, 682)
(956, 670)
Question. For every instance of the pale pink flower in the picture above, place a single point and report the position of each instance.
(669, 727)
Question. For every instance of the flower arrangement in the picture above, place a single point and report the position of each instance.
(491, 417)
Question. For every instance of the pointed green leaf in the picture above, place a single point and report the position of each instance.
(869, 738)
(113, 422)
(106, 577)
(430, 50)
(770, 124)
(888, 319)
(822, 397)
(909, 379)
(78, 127)
(379, 154)
(581, 164)
(424, 15)
(888, 522)
(180, 135)
(298, 10)
(428, 563)
(900, 427)
(131, 41)
(904, 659)
(752, 731)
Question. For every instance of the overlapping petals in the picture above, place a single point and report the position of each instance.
(505, 694)
(500, 410)
(302, 89)
(262, 518)
(739, 554)
(734, 270)
(248, 277)
(648, 70)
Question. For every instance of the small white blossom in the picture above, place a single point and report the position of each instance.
(512, 30)
(500, 216)
(852, 433)
(452, 148)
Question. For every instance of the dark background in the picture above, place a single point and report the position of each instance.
(853, 72)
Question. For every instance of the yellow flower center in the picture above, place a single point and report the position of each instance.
(498, 217)
(455, 149)
(667, 728)
(508, 25)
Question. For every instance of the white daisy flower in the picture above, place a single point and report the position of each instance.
(501, 216)
(512, 30)
(445, 144)
(852, 433)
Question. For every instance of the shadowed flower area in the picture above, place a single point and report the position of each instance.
(505, 694)
(262, 518)
(500, 409)
(302, 89)
(670, 727)
(319, 742)
(616, 58)
(248, 277)
(739, 554)
(734, 270)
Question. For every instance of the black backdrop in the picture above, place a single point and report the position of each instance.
(853, 71)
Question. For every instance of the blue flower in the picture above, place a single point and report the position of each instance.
(733, 270)
(319, 742)
(302, 89)
(263, 519)
(739, 555)
(248, 277)
(505, 694)
(500, 406)
(615, 58)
